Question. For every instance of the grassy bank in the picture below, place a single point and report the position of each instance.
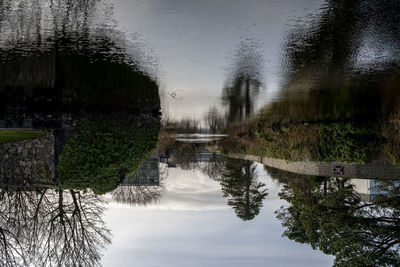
(8, 136)
(296, 140)
(356, 142)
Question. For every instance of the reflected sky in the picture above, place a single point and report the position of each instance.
(195, 43)
(193, 226)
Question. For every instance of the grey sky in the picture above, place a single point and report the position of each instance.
(200, 229)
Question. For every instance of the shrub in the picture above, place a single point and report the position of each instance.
(348, 142)
(102, 151)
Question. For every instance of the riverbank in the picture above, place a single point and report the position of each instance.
(349, 141)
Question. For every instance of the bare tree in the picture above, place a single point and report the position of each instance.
(75, 220)
(14, 212)
(51, 227)
(214, 167)
(186, 155)
(140, 193)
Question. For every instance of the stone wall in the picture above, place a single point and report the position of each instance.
(332, 169)
(27, 161)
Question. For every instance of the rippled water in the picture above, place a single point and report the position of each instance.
(200, 45)
(194, 133)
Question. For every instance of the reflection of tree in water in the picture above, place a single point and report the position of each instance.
(318, 49)
(345, 65)
(245, 193)
(195, 156)
(334, 43)
(244, 84)
(71, 59)
(328, 214)
(141, 193)
(340, 99)
(49, 227)
(32, 21)
(186, 155)
(214, 120)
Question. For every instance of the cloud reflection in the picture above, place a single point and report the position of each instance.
(188, 190)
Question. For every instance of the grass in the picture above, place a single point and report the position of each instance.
(9, 136)
(295, 140)
(242, 139)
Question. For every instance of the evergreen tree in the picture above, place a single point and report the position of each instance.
(245, 193)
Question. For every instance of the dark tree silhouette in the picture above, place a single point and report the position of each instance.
(51, 227)
(15, 210)
(214, 167)
(329, 215)
(244, 84)
(326, 77)
(245, 193)
(53, 55)
(215, 121)
(76, 221)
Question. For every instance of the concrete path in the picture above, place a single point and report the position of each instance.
(336, 169)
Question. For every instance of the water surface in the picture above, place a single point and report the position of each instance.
(131, 133)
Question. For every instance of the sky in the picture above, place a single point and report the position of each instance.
(193, 226)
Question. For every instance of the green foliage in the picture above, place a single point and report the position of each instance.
(394, 157)
(8, 136)
(102, 151)
(289, 140)
(391, 133)
(347, 142)
(331, 217)
(245, 192)
(320, 141)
